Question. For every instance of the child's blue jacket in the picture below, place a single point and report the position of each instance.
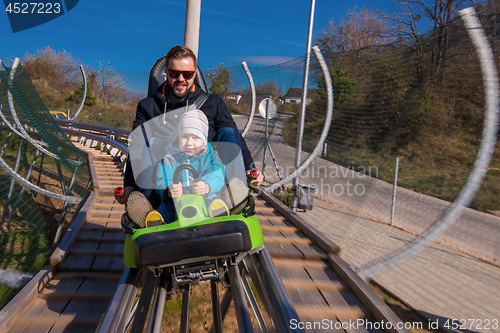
(208, 165)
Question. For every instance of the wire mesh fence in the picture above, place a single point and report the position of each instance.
(44, 178)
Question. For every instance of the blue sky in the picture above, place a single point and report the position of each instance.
(131, 35)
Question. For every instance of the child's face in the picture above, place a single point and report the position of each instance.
(190, 144)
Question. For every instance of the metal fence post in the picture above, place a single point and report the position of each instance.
(394, 191)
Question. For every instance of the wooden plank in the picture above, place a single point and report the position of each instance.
(286, 240)
(96, 253)
(280, 250)
(323, 274)
(43, 313)
(102, 239)
(115, 173)
(296, 273)
(94, 295)
(311, 284)
(111, 182)
(107, 198)
(299, 263)
(104, 219)
(44, 324)
(85, 247)
(77, 263)
(310, 297)
(108, 212)
(111, 247)
(114, 235)
(109, 205)
(87, 234)
(263, 210)
(342, 313)
(106, 263)
(326, 244)
(76, 327)
(110, 163)
(279, 228)
(93, 225)
(83, 308)
(311, 251)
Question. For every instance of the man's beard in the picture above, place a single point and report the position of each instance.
(180, 95)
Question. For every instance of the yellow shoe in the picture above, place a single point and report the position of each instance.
(218, 208)
(154, 219)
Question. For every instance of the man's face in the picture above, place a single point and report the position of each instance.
(180, 86)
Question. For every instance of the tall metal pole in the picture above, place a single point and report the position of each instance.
(192, 25)
(393, 209)
(302, 115)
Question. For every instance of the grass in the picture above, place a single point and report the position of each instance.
(26, 242)
(439, 169)
(284, 195)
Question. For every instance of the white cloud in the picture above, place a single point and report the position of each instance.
(264, 60)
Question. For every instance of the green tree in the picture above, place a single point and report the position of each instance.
(77, 95)
(220, 81)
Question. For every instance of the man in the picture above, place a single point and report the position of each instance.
(178, 90)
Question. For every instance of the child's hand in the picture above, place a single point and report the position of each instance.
(201, 188)
(175, 190)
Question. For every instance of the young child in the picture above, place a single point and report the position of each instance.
(195, 150)
(190, 147)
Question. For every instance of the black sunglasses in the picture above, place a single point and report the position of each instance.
(185, 74)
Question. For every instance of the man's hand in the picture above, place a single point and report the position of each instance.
(175, 190)
(201, 188)
(255, 181)
(122, 199)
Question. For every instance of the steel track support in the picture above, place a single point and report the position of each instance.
(29, 168)
(34, 193)
(253, 301)
(185, 309)
(240, 302)
(216, 310)
(224, 305)
(66, 203)
(12, 182)
(116, 317)
(282, 309)
(156, 314)
(250, 268)
(144, 303)
(160, 303)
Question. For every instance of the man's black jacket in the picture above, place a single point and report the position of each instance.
(214, 108)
